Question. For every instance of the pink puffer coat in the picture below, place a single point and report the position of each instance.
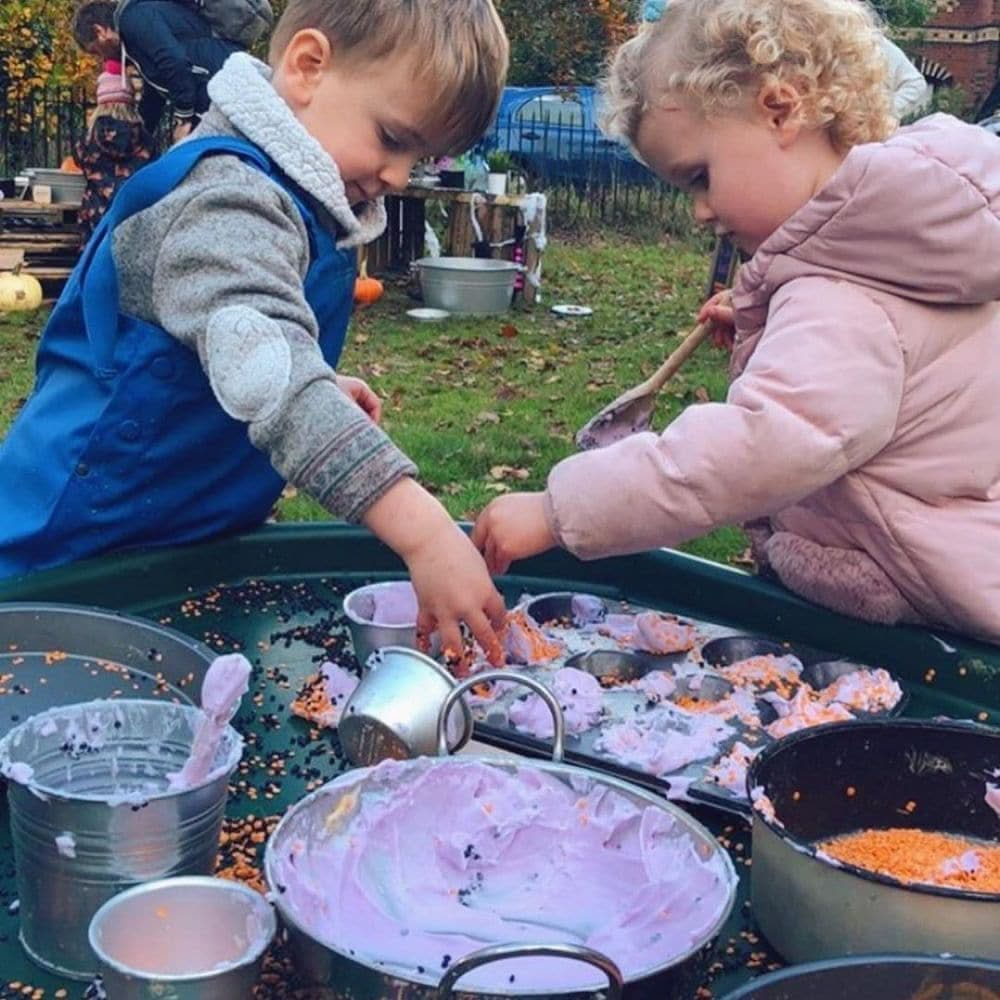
(864, 414)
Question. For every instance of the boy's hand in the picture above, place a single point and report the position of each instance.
(719, 311)
(447, 573)
(361, 392)
(512, 527)
(453, 586)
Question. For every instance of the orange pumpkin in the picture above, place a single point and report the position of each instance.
(367, 290)
(70, 166)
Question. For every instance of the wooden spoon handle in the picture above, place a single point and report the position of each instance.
(673, 364)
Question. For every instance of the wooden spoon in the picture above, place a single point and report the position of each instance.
(632, 411)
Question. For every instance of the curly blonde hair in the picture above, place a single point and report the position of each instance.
(722, 53)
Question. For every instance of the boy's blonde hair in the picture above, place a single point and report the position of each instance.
(461, 46)
(722, 52)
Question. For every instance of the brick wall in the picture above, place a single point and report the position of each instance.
(964, 37)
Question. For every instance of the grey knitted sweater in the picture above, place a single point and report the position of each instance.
(219, 263)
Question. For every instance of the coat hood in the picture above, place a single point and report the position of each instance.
(917, 216)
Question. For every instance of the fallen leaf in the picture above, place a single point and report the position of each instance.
(488, 417)
(289, 492)
(498, 487)
(508, 330)
(701, 394)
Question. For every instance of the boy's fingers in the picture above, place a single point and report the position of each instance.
(425, 626)
(479, 533)
(486, 637)
(452, 644)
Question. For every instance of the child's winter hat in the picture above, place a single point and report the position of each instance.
(112, 85)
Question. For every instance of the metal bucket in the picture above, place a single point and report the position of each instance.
(91, 814)
(467, 285)
(183, 938)
(66, 185)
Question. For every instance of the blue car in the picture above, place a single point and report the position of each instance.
(552, 134)
(992, 124)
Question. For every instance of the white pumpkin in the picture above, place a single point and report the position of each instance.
(19, 292)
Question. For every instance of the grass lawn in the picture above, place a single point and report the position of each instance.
(487, 405)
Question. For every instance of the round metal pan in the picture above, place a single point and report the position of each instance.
(62, 654)
(888, 977)
(845, 777)
(325, 965)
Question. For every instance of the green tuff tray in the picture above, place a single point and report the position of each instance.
(275, 595)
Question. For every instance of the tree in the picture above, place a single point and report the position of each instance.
(563, 41)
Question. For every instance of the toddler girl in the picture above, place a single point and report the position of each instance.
(115, 146)
(860, 427)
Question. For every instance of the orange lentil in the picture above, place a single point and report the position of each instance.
(851, 791)
(918, 857)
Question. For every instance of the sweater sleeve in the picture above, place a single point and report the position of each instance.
(818, 398)
(228, 281)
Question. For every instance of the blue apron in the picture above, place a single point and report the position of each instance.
(122, 442)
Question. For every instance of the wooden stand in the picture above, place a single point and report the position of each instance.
(403, 241)
(47, 235)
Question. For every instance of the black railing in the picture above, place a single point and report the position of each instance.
(39, 130)
(588, 177)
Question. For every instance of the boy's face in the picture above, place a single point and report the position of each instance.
(370, 117)
(744, 176)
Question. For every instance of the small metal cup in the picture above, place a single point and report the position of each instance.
(366, 636)
(183, 938)
(393, 711)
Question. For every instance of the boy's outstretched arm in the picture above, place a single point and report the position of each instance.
(247, 318)
(448, 574)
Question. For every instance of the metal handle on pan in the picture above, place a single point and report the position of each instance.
(496, 952)
(558, 724)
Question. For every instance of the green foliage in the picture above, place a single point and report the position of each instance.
(954, 101)
(499, 161)
(563, 41)
(904, 13)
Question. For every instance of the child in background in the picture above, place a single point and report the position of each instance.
(187, 371)
(861, 420)
(115, 147)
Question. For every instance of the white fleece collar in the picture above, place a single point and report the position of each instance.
(242, 91)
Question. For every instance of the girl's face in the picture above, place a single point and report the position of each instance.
(747, 172)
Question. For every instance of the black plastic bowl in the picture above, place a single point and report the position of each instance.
(887, 977)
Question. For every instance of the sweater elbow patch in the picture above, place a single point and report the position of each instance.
(249, 362)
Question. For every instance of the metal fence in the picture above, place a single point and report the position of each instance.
(40, 130)
(588, 178)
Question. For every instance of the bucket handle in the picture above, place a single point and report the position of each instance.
(497, 952)
(558, 723)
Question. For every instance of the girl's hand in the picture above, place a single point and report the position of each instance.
(512, 527)
(362, 394)
(719, 311)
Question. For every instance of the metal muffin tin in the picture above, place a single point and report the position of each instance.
(60, 654)
(717, 647)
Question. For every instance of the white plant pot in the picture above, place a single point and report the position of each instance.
(496, 184)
